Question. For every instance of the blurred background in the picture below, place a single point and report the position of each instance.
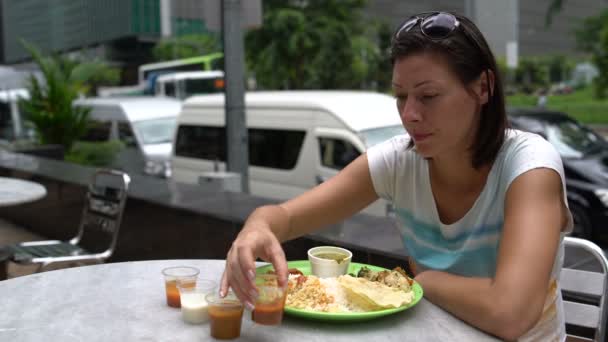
(103, 83)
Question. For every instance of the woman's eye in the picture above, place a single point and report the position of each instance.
(428, 97)
(401, 99)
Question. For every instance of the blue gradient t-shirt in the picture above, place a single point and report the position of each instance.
(468, 247)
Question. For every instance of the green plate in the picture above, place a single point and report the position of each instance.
(304, 267)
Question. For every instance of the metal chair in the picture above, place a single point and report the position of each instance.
(584, 294)
(100, 222)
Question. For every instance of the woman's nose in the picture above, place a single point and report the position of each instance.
(409, 111)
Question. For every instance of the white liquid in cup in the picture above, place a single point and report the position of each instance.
(194, 307)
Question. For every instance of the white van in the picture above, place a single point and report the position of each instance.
(145, 125)
(11, 118)
(297, 139)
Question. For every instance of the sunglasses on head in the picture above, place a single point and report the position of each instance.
(435, 25)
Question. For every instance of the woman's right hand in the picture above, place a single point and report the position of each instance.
(256, 240)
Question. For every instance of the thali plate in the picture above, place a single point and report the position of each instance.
(304, 267)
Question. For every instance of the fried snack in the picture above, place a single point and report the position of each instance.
(374, 295)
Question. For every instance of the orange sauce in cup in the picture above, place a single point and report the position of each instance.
(225, 321)
(268, 313)
(173, 299)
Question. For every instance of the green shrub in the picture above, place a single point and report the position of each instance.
(94, 153)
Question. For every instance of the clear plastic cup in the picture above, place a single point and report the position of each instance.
(172, 275)
(270, 302)
(192, 299)
(225, 315)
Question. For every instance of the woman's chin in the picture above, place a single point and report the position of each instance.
(424, 151)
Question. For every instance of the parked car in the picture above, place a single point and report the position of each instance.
(585, 157)
(144, 124)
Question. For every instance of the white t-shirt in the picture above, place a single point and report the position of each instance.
(468, 247)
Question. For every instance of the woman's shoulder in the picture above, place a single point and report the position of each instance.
(523, 151)
(518, 142)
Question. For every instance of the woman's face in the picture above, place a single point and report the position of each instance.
(435, 107)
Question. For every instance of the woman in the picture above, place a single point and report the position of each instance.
(482, 208)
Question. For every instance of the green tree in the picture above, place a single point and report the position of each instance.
(316, 44)
(592, 36)
(186, 46)
(49, 107)
(588, 34)
(555, 6)
(600, 59)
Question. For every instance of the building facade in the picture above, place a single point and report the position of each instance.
(122, 31)
(504, 21)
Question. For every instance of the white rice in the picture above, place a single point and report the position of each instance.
(341, 302)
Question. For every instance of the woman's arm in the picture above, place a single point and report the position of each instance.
(339, 197)
(510, 304)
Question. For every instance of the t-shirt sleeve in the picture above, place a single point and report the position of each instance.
(529, 152)
(532, 152)
(383, 159)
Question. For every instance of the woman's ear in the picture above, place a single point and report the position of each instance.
(486, 86)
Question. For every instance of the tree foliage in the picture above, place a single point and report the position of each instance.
(186, 46)
(315, 44)
(592, 36)
(49, 107)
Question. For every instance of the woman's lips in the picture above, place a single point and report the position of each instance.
(420, 137)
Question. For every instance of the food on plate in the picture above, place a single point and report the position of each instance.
(396, 278)
(373, 295)
(349, 294)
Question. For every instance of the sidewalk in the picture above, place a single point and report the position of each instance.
(9, 234)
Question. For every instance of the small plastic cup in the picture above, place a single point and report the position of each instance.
(172, 275)
(225, 316)
(270, 302)
(192, 299)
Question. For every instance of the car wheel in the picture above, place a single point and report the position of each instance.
(582, 224)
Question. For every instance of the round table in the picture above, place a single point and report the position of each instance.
(15, 191)
(126, 302)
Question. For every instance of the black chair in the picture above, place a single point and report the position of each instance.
(100, 223)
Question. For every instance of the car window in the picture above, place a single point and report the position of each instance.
(336, 153)
(573, 140)
(271, 148)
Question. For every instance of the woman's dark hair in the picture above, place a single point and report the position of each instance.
(468, 56)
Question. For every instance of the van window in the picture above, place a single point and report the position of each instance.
(336, 153)
(278, 149)
(6, 122)
(125, 134)
(98, 131)
(169, 89)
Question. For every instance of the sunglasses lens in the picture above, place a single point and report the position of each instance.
(439, 25)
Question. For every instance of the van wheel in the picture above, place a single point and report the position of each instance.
(582, 224)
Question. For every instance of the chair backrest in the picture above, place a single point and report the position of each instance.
(103, 209)
(584, 290)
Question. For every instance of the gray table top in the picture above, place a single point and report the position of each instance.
(126, 302)
(15, 191)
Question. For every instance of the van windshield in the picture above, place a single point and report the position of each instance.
(375, 136)
(155, 131)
